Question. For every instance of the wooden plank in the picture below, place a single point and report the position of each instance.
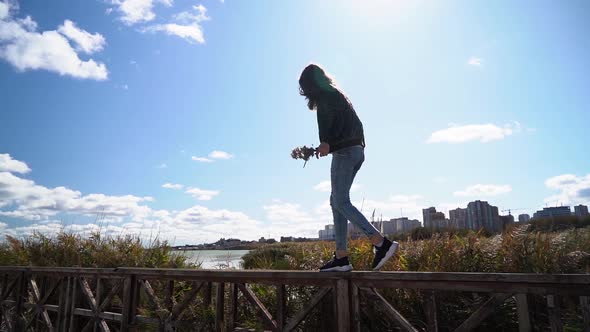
(115, 288)
(355, 309)
(431, 311)
(207, 294)
(73, 304)
(65, 320)
(151, 295)
(87, 292)
(61, 303)
(454, 279)
(482, 312)
(219, 307)
(127, 307)
(39, 310)
(105, 315)
(187, 298)
(9, 289)
(253, 299)
(403, 323)
(21, 296)
(169, 296)
(479, 287)
(522, 307)
(342, 302)
(281, 306)
(585, 308)
(97, 298)
(100, 324)
(233, 307)
(553, 307)
(303, 313)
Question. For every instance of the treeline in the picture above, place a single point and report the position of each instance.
(558, 223)
(69, 249)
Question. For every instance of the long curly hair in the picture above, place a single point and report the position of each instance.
(314, 82)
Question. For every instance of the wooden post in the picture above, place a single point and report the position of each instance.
(219, 307)
(522, 306)
(585, 308)
(430, 311)
(554, 313)
(281, 306)
(61, 302)
(169, 299)
(207, 294)
(233, 307)
(98, 299)
(129, 303)
(73, 303)
(355, 308)
(342, 300)
(20, 298)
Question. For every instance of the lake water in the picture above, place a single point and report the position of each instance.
(216, 259)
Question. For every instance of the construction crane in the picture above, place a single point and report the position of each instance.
(510, 210)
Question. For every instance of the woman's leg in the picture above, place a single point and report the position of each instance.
(345, 165)
(340, 232)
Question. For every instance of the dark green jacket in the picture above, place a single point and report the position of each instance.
(338, 123)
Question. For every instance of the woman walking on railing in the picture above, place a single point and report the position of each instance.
(341, 134)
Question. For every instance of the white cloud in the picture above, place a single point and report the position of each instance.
(201, 194)
(572, 189)
(481, 190)
(138, 11)
(85, 41)
(202, 159)
(292, 219)
(25, 200)
(475, 61)
(26, 49)
(475, 132)
(4, 10)
(162, 165)
(220, 155)
(175, 186)
(21, 198)
(187, 25)
(7, 164)
(214, 155)
(326, 186)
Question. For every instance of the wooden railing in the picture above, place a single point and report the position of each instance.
(137, 299)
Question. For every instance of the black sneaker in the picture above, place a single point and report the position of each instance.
(337, 265)
(383, 253)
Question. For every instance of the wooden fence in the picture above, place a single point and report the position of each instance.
(125, 299)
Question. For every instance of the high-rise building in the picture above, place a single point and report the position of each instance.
(458, 218)
(396, 225)
(507, 220)
(404, 225)
(327, 233)
(524, 218)
(480, 214)
(427, 216)
(581, 211)
(549, 212)
(433, 219)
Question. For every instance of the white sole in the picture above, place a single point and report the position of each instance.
(388, 255)
(344, 268)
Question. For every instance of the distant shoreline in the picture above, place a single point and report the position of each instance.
(211, 249)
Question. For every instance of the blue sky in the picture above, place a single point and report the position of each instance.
(177, 117)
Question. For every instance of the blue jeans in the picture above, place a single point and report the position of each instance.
(345, 164)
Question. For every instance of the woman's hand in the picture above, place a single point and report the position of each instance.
(322, 150)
